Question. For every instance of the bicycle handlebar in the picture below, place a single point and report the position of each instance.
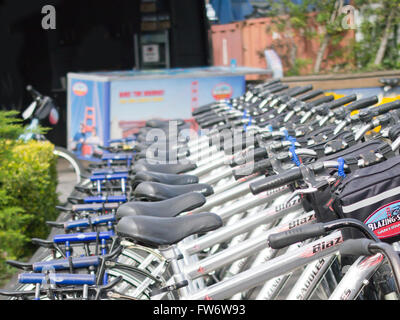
(362, 103)
(386, 107)
(32, 91)
(259, 166)
(299, 90)
(302, 233)
(309, 95)
(359, 247)
(287, 177)
(335, 103)
(283, 239)
(320, 101)
(275, 181)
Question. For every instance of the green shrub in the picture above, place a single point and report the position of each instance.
(28, 181)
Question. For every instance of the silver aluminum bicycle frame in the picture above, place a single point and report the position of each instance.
(282, 264)
(243, 249)
(357, 277)
(184, 270)
(266, 253)
(272, 287)
(239, 190)
(237, 228)
(246, 224)
(310, 278)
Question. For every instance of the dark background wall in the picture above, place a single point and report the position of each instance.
(90, 35)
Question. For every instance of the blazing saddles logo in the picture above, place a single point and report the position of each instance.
(385, 221)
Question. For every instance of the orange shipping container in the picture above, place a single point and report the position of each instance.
(227, 44)
(247, 40)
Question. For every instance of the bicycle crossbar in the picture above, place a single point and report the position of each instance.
(112, 176)
(102, 199)
(84, 223)
(94, 207)
(117, 156)
(109, 171)
(62, 264)
(58, 278)
(82, 237)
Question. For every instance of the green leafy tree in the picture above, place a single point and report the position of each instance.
(378, 47)
(28, 181)
(290, 20)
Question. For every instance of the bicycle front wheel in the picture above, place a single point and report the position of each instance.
(69, 169)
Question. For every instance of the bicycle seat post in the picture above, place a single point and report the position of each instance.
(174, 256)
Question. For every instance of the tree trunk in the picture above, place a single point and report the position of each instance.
(382, 47)
(321, 52)
(325, 40)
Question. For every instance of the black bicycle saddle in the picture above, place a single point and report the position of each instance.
(165, 208)
(155, 191)
(155, 232)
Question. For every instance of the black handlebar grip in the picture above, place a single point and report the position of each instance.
(253, 154)
(212, 122)
(310, 95)
(275, 181)
(202, 109)
(270, 83)
(300, 90)
(321, 100)
(386, 107)
(356, 247)
(341, 101)
(231, 146)
(291, 90)
(246, 170)
(277, 88)
(283, 239)
(363, 103)
(268, 90)
(394, 132)
(32, 91)
(256, 153)
(273, 90)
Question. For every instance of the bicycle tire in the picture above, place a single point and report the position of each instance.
(73, 161)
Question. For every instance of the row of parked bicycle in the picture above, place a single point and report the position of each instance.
(287, 193)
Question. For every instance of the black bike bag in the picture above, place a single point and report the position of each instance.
(372, 195)
(320, 201)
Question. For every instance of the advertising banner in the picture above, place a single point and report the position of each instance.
(133, 102)
(108, 105)
(88, 120)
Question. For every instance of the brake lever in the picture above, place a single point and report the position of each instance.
(305, 117)
(325, 119)
(342, 124)
(396, 144)
(299, 193)
(310, 189)
(360, 133)
(379, 121)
